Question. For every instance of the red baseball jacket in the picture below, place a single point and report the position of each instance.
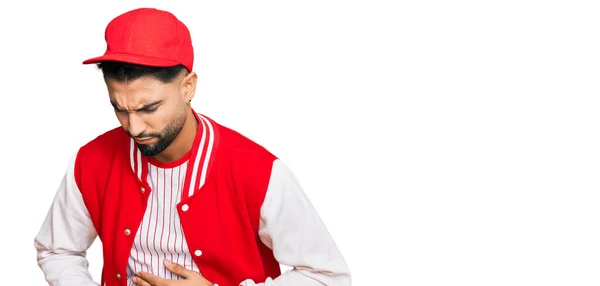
(242, 216)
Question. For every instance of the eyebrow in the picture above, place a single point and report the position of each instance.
(145, 107)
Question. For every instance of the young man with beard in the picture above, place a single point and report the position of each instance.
(175, 197)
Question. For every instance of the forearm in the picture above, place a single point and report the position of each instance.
(295, 277)
(291, 227)
(65, 235)
(64, 269)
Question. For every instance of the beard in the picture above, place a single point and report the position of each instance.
(165, 137)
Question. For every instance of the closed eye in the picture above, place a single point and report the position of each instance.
(149, 110)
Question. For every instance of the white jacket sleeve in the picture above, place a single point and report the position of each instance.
(65, 236)
(291, 227)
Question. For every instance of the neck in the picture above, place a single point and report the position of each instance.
(184, 141)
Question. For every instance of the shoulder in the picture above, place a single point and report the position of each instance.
(249, 162)
(236, 146)
(102, 147)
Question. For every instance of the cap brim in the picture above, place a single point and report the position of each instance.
(133, 59)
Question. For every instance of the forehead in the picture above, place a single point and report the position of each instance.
(145, 83)
(139, 90)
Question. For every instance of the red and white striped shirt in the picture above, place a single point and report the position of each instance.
(160, 235)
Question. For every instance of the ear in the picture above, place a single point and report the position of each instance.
(188, 86)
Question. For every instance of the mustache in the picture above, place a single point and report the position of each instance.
(144, 135)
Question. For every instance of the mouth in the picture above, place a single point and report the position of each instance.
(143, 140)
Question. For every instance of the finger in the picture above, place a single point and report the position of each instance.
(149, 278)
(140, 282)
(178, 269)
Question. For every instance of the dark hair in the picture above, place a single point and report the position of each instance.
(125, 72)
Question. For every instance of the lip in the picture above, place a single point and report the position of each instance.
(144, 140)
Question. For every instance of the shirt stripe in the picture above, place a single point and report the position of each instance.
(160, 234)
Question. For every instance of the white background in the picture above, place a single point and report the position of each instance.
(442, 142)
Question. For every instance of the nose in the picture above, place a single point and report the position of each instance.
(136, 125)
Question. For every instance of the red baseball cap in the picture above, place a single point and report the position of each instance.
(147, 36)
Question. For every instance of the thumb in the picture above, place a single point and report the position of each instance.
(177, 269)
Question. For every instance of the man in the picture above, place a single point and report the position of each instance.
(175, 197)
